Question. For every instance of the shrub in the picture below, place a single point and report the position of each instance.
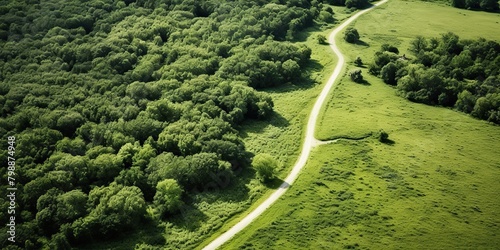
(358, 61)
(356, 75)
(383, 136)
(265, 166)
(351, 35)
(321, 39)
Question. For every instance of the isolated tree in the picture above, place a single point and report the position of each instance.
(356, 75)
(321, 39)
(265, 165)
(358, 61)
(168, 196)
(351, 35)
(383, 136)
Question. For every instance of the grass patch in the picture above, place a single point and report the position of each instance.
(433, 187)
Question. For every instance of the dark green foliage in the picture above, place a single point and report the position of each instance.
(356, 75)
(447, 71)
(358, 4)
(358, 61)
(383, 136)
(321, 39)
(168, 196)
(351, 35)
(388, 73)
(487, 5)
(108, 98)
(458, 3)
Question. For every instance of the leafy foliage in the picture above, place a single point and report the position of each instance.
(265, 165)
(446, 71)
(356, 75)
(487, 5)
(108, 99)
(351, 35)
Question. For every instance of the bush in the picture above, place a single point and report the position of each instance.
(383, 136)
(351, 35)
(321, 39)
(265, 166)
(358, 4)
(358, 61)
(356, 75)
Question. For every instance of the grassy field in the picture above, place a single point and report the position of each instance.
(432, 187)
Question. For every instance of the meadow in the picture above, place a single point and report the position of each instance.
(432, 186)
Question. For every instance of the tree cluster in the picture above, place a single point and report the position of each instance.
(446, 71)
(487, 5)
(357, 4)
(122, 105)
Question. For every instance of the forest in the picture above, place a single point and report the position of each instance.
(120, 108)
(446, 71)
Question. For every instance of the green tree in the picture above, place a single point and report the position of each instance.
(265, 165)
(358, 61)
(418, 44)
(321, 39)
(489, 5)
(113, 209)
(168, 196)
(458, 3)
(351, 35)
(356, 75)
(358, 4)
(466, 101)
(388, 73)
(383, 136)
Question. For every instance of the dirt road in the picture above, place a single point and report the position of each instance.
(309, 141)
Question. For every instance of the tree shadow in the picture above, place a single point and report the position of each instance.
(257, 126)
(148, 231)
(274, 183)
(364, 82)
(362, 43)
(306, 33)
(189, 218)
(389, 142)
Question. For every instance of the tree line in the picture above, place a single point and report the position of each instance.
(446, 71)
(121, 106)
(487, 5)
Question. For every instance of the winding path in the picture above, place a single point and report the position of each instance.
(309, 141)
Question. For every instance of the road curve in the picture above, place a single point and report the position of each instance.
(309, 141)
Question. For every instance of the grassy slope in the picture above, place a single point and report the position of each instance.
(282, 136)
(434, 188)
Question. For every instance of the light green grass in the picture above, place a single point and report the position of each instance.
(282, 136)
(433, 188)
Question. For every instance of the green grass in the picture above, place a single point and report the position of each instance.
(434, 187)
(282, 135)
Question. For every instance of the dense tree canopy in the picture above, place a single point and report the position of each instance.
(488, 5)
(446, 71)
(118, 105)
